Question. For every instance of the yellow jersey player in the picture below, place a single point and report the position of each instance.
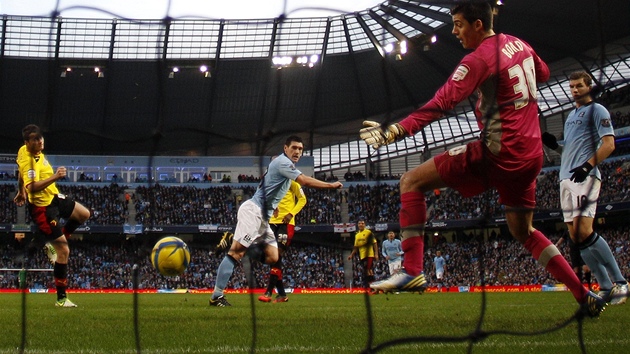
(366, 245)
(283, 225)
(46, 205)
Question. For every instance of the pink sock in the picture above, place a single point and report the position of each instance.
(413, 210)
(548, 256)
(413, 216)
(413, 262)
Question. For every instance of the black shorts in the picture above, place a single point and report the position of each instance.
(284, 234)
(46, 218)
(367, 264)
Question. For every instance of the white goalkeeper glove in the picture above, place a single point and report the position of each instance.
(374, 135)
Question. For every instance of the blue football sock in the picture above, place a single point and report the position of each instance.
(597, 268)
(224, 273)
(602, 252)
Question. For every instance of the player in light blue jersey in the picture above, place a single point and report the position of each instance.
(589, 139)
(439, 266)
(252, 227)
(392, 252)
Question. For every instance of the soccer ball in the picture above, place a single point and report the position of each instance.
(170, 256)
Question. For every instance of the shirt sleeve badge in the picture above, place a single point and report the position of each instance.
(460, 73)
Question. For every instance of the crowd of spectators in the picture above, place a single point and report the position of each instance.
(323, 206)
(7, 176)
(450, 205)
(108, 265)
(8, 211)
(354, 176)
(248, 179)
(504, 261)
(376, 202)
(184, 205)
(107, 203)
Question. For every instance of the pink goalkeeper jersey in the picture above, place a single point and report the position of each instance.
(504, 70)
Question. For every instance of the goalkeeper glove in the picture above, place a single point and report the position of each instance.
(581, 172)
(550, 140)
(374, 135)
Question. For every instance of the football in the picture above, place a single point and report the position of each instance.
(170, 256)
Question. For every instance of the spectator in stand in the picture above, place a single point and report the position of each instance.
(348, 176)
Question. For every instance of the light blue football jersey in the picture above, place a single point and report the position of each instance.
(583, 130)
(275, 184)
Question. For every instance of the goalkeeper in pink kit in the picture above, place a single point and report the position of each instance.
(504, 71)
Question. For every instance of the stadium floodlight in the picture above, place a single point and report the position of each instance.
(99, 72)
(66, 71)
(283, 61)
(206, 72)
(402, 47)
(295, 61)
(174, 70)
(396, 49)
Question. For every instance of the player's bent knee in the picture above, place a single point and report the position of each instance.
(62, 249)
(84, 214)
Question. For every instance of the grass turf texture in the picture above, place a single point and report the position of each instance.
(184, 323)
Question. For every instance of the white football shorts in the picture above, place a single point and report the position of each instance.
(579, 199)
(394, 266)
(252, 228)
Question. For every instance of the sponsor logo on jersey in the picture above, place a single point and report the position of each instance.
(606, 123)
(460, 73)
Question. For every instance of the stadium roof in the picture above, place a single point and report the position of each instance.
(245, 105)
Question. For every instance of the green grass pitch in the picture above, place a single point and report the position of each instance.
(184, 323)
